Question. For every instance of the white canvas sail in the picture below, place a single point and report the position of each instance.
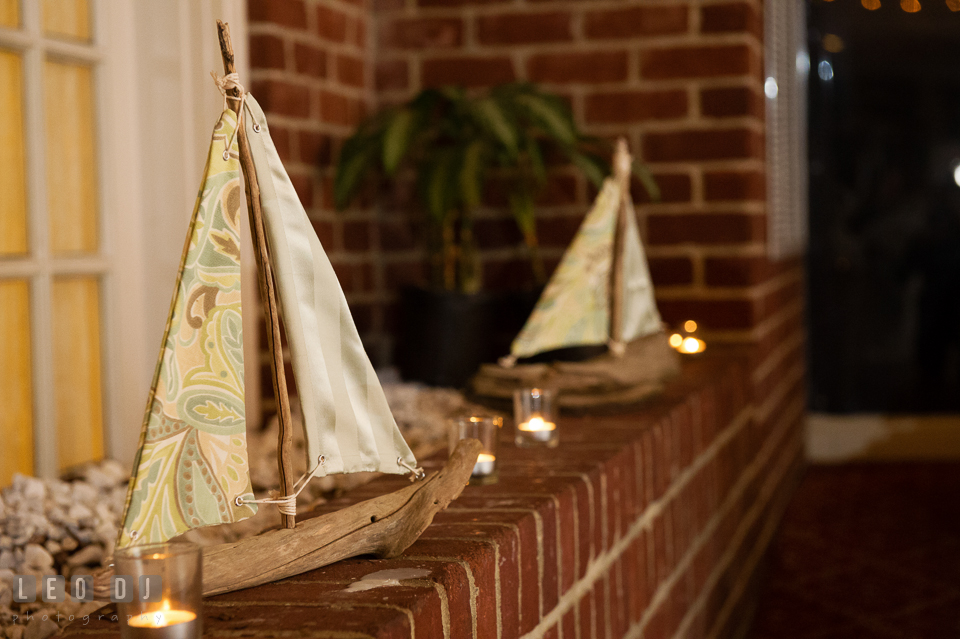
(574, 309)
(640, 314)
(345, 412)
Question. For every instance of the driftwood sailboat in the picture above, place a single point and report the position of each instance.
(191, 468)
(600, 295)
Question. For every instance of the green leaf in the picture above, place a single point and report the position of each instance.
(492, 117)
(536, 161)
(553, 117)
(471, 174)
(646, 178)
(436, 178)
(521, 205)
(356, 158)
(396, 139)
(591, 167)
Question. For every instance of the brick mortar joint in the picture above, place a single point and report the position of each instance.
(600, 564)
(745, 477)
(727, 559)
(776, 357)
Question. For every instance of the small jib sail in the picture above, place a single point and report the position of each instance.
(191, 467)
(600, 293)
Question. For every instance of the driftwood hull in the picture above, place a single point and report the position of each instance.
(602, 381)
(384, 526)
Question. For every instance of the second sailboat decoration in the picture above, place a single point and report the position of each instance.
(600, 295)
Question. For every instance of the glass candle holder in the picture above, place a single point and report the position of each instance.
(159, 591)
(535, 417)
(485, 429)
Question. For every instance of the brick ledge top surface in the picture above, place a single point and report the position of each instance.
(502, 556)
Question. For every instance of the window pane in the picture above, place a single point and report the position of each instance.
(9, 13)
(16, 414)
(13, 210)
(76, 358)
(66, 19)
(71, 158)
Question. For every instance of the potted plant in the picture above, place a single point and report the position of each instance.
(454, 142)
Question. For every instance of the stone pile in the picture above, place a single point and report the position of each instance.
(50, 527)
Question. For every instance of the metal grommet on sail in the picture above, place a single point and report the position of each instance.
(134, 534)
(416, 473)
(238, 501)
(256, 127)
(226, 155)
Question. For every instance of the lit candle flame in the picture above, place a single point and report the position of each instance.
(162, 618)
(692, 345)
(537, 424)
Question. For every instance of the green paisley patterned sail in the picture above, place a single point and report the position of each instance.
(574, 309)
(192, 460)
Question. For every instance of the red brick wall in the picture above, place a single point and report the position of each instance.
(311, 71)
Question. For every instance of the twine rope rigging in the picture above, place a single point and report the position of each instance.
(227, 83)
(287, 505)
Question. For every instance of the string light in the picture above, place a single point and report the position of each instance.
(910, 6)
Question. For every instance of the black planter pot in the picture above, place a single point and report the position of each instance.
(444, 336)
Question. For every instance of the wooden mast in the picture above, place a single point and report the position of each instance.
(268, 292)
(621, 172)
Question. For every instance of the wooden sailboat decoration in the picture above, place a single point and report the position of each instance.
(191, 467)
(600, 295)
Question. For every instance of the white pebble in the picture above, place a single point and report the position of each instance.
(6, 577)
(37, 558)
(41, 628)
(89, 555)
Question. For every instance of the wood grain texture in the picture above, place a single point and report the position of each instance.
(268, 292)
(621, 168)
(606, 380)
(383, 526)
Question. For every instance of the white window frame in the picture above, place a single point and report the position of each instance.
(129, 252)
(787, 64)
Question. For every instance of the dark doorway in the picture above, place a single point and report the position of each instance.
(884, 257)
